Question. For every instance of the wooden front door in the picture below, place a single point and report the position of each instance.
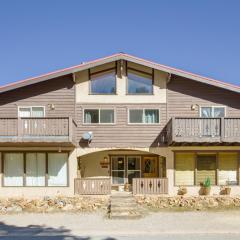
(150, 167)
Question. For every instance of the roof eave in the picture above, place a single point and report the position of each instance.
(116, 57)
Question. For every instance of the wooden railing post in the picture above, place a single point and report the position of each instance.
(19, 128)
(222, 131)
(70, 128)
(173, 128)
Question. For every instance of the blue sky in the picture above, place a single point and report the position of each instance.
(44, 35)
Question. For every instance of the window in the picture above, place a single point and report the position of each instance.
(228, 164)
(57, 169)
(91, 116)
(103, 82)
(97, 116)
(147, 116)
(13, 169)
(33, 168)
(206, 168)
(31, 112)
(139, 82)
(200, 166)
(212, 112)
(184, 169)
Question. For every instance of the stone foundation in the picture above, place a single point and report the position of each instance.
(57, 204)
(191, 203)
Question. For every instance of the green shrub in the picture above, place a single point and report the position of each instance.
(207, 183)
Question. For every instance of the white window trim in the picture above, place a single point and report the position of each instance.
(83, 117)
(44, 110)
(143, 123)
(212, 107)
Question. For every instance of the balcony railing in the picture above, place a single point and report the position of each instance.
(150, 185)
(92, 186)
(199, 130)
(51, 129)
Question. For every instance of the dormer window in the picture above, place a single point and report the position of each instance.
(103, 82)
(139, 82)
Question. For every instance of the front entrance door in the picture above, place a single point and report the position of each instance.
(118, 169)
(150, 167)
(125, 168)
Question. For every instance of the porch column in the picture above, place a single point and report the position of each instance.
(170, 171)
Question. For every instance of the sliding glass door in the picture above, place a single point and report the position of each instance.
(125, 168)
(13, 169)
(118, 169)
(35, 169)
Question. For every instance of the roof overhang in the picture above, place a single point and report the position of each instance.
(116, 57)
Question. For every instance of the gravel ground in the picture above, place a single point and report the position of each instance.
(161, 225)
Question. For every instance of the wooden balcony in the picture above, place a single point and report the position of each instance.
(36, 130)
(215, 131)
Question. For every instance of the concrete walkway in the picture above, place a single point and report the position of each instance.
(162, 225)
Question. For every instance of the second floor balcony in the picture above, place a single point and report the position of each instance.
(36, 130)
(188, 131)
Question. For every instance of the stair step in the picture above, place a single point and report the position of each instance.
(123, 199)
(121, 209)
(128, 205)
(115, 216)
(124, 206)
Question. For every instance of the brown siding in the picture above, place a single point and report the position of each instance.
(122, 134)
(182, 93)
(59, 91)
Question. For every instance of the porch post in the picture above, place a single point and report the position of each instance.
(170, 171)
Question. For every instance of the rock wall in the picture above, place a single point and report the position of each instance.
(47, 204)
(191, 203)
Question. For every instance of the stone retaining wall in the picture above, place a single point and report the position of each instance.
(191, 203)
(47, 204)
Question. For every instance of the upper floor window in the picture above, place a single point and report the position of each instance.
(97, 116)
(145, 116)
(103, 82)
(213, 112)
(31, 112)
(139, 82)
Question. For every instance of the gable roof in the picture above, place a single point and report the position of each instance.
(116, 57)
